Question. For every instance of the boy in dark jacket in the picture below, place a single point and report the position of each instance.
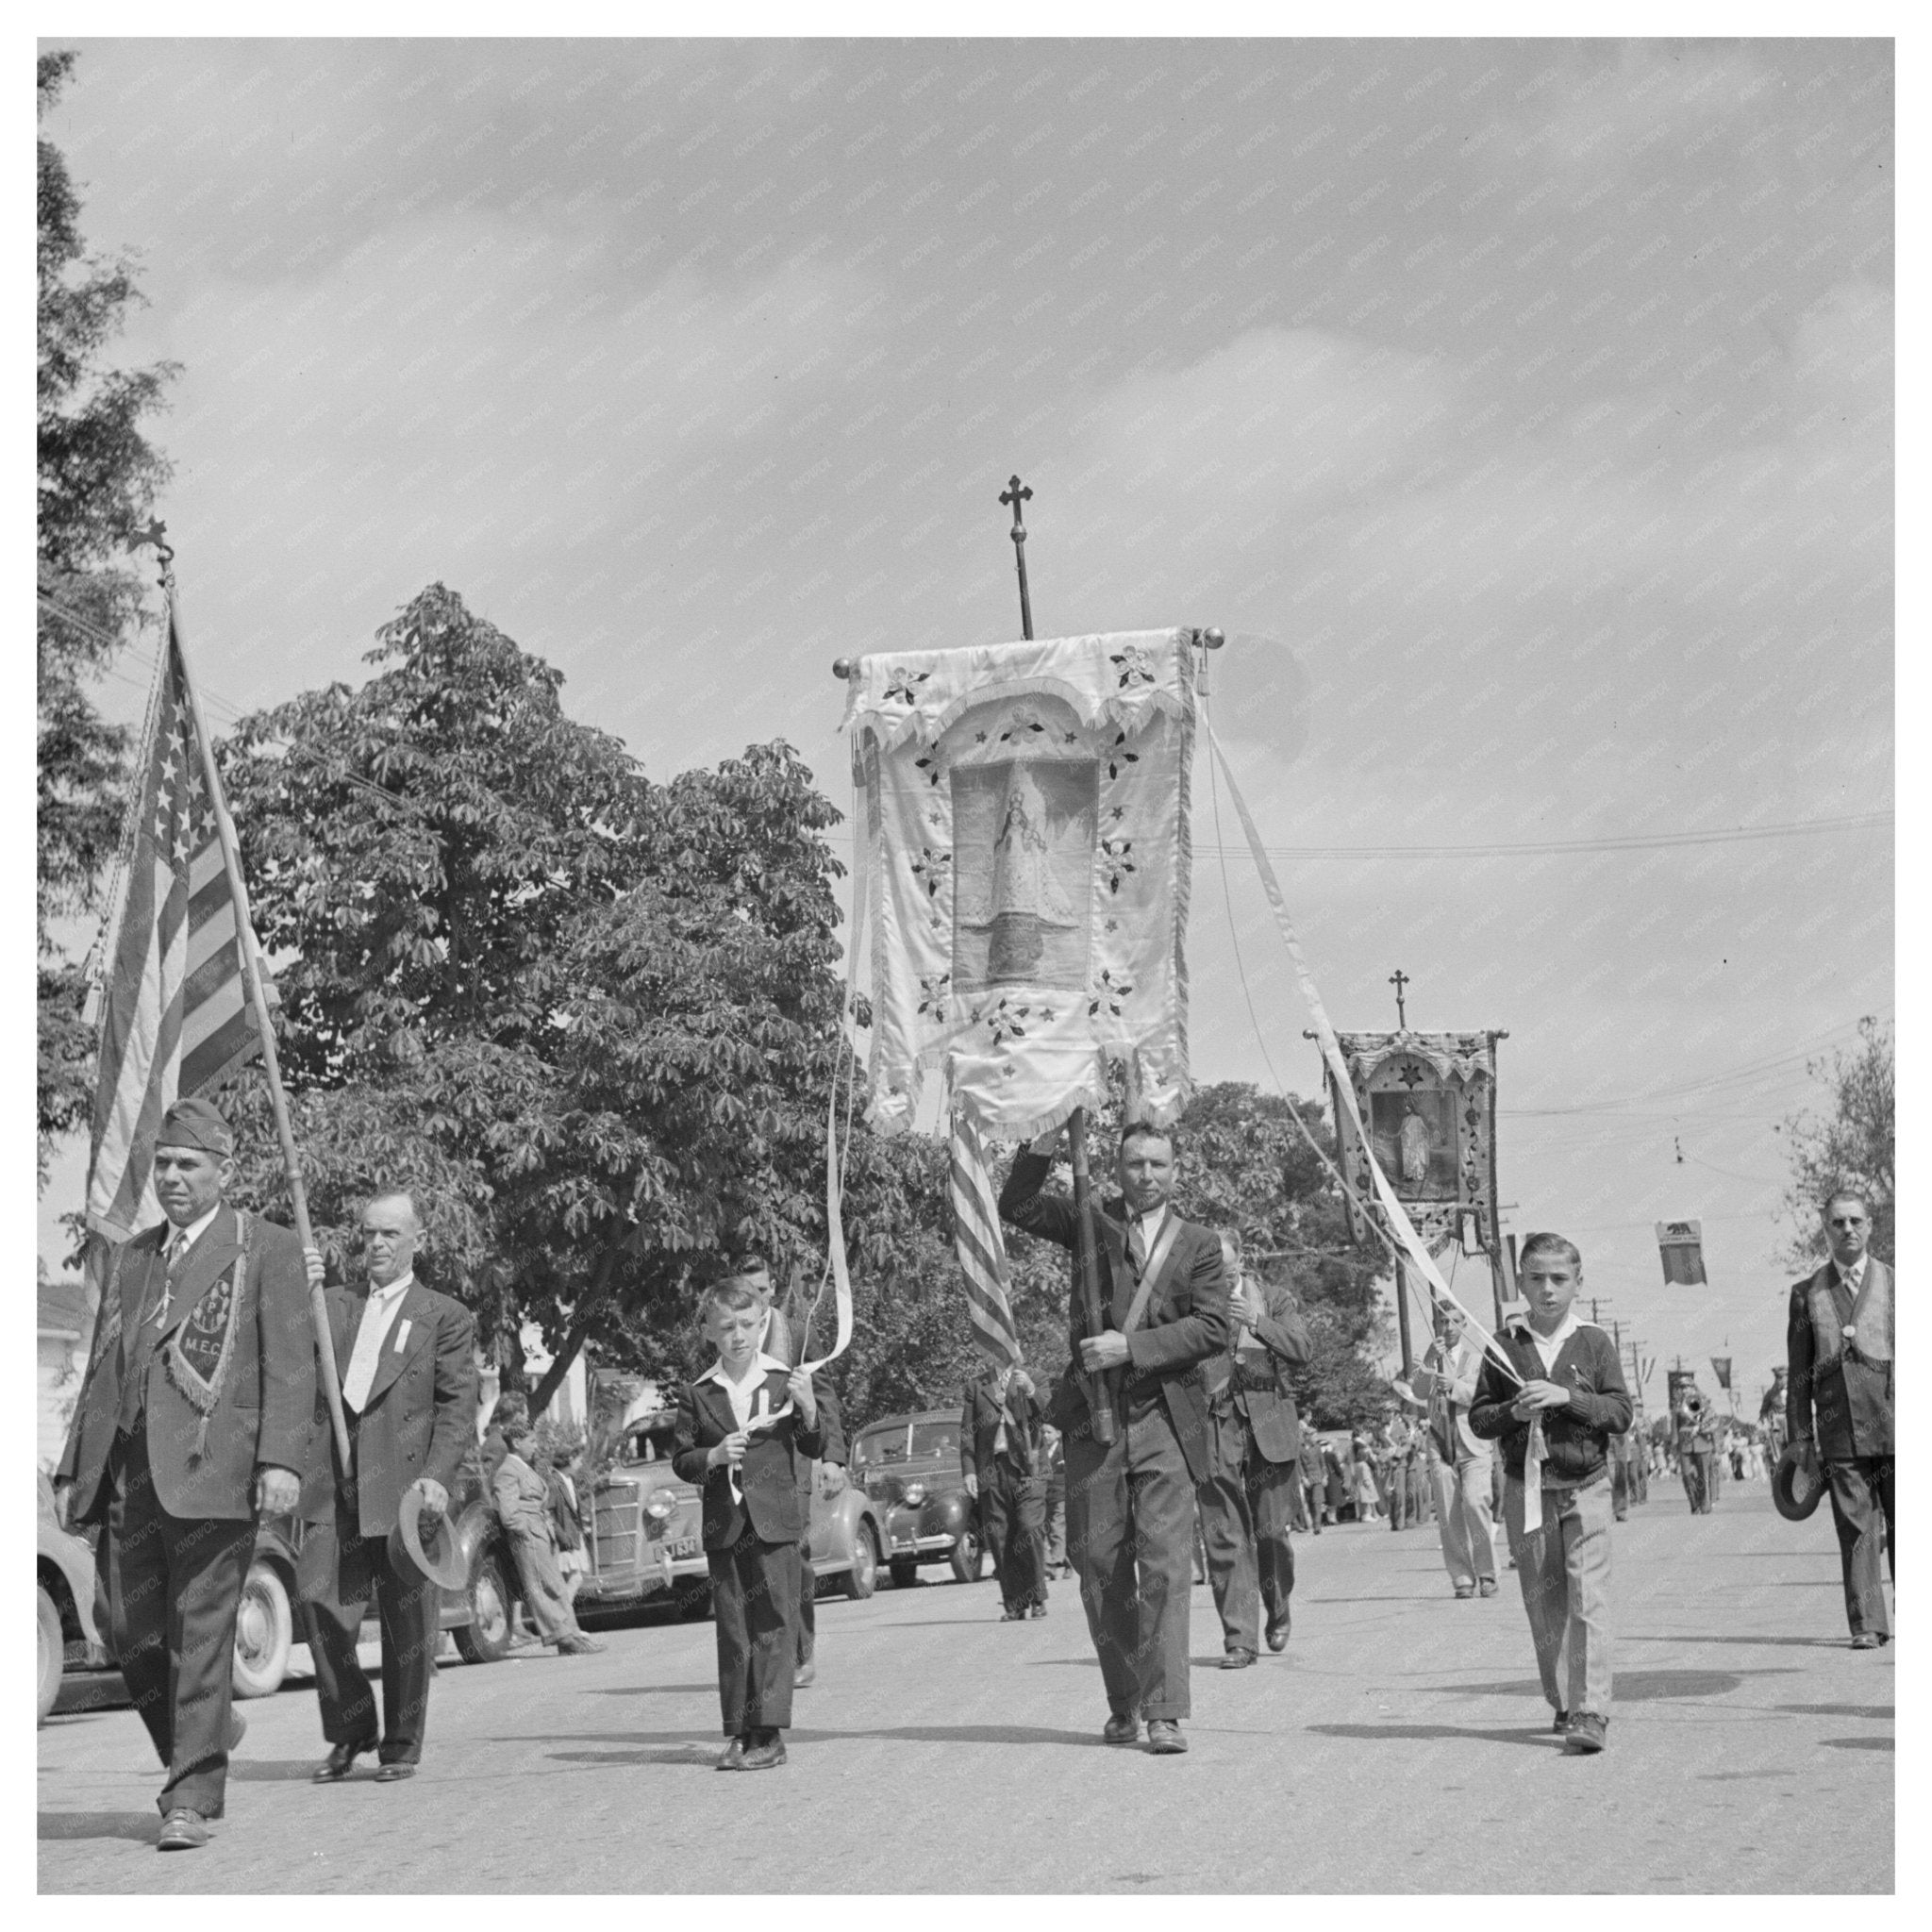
(1555, 1417)
(743, 1428)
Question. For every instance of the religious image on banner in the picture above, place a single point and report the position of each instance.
(1023, 870)
(1720, 1368)
(1427, 1102)
(1681, 1245)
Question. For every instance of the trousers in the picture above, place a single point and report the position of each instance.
(1463, 1522)
(406, 1607)
(1861, 1491)
(1131, 1532)
(755, 1602)
(806, 1642)
(1247, 1514)
(546, 1596)
(1013, 1526)
(173, 1590)
(1698, 1467)
(1564, 1568)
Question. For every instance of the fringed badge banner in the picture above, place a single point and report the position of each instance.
(1427, 1102)
(1025, 841)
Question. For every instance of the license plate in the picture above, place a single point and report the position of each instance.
(685, 1546)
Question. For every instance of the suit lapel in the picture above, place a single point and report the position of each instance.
(400, 1343)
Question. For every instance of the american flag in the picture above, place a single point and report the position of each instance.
(175, 1019)
(982, 1252)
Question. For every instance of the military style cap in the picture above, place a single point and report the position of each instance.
(195, 1123)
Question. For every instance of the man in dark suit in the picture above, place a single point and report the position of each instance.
(1247, 1502)
(409, 1396)
(999, 1457)
(1130, 1503)
(194, 1414)
(1838, 1350)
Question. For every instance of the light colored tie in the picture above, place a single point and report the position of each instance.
(1137, 1247)
(171, 1260)
(366, 1354)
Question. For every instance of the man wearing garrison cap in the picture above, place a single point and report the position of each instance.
(194, 1414)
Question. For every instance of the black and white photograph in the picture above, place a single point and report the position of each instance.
(936, 907)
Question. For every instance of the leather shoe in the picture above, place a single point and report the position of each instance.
(1164, 1738)
(1561, 1723)
(1122, 1728)
(1277, 1633)
(1587, 1733)
(1487, 1586)
(802, 1678)
(182, 1830)
(765, 1753)
(1867, 1639)
(1234, 1660)
(1037, 1612)
(1463, 1591)
(341, 1761)
(393, 1772)
(578, 1645)
(733, 1758)
(1012, 1616)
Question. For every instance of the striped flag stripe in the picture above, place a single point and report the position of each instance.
(177, 1019)
(981, 1250)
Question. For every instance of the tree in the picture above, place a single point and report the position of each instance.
(97, 477)
(1853, 1145)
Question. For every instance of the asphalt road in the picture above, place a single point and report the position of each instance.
(1400, 1744)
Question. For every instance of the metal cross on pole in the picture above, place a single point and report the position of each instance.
(1398, 980)
(1016, 494)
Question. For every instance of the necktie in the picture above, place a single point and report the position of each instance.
(171, 1260)
(1137, 1247)
(367, 1352)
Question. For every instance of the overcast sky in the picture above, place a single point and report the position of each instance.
(1522, 410)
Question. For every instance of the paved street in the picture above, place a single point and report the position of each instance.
(1399, 1745)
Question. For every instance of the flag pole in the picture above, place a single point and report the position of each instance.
(1099, 1385)
(251, 965)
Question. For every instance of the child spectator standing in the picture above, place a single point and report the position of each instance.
(1556, 1428)
(743, 1427)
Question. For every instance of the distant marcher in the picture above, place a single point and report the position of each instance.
(1000, 1454)
(1555, 1418)
(1314, 1479)
(1696, 1440)
(1052, 1459)
(523, 1501)
(1460, 1463)
(1838, 1352)
(1335, 1481)
(1368, 1505)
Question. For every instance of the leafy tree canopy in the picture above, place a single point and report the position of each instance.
(97, 476)
(1852, 1143)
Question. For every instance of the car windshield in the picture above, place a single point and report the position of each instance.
(652, 1442)
(935, 1438)
(880, 1445)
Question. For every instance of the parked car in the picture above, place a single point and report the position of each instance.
(909, 1466)
(63, 1604)
(480, 1617)
(645, 1536)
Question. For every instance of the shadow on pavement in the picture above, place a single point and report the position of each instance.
(1788, 1642)
(656, 1689)
(689, 1747)
(1857, 1744)
(276, 1771)
(1633, 1687)
(1542, 1737)
(142, 1826)
(1878, 1713)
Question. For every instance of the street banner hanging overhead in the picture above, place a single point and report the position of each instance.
(1428, 1103)
(1024, 860)
(1681, 1245)
(1720, 1368)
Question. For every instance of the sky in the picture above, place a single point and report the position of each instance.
(1522, 411)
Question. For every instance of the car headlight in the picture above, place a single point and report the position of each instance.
(915, 1494)
(660, 1503)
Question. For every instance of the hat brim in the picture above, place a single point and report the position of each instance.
(429, 1544)
(1797, 1486)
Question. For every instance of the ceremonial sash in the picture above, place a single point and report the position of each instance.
(1156, 1262)
(1867, 1337)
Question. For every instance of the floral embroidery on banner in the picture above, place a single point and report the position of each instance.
(1024, 720)
(932, 869)
(929, 764)
(1133, 665)
(1110, 992)
(1115, 860)
(1120, 755)
(935, 989)
(1003, 1019)
(903, 684)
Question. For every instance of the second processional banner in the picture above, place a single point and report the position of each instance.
(1427, 1101)
(1023, 871)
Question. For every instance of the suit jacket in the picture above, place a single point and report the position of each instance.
(420, 1419)
(1853, 1397)
(770, 1500)
(268, 1393)
(1186, 1320)
(1256, 1387)
(979, 1428)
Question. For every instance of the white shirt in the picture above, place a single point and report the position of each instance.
(181, 1238)
(743, 1393)
(1853, 1275)
(1150, 1226)
(378, 1316)
(1550, 1347)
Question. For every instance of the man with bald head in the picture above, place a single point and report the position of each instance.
(409, 1399)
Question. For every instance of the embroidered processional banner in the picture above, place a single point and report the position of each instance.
(1427, 1102)
(1024, 863)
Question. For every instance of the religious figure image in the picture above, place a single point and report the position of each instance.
(1024, 837)
(1415, 1134)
